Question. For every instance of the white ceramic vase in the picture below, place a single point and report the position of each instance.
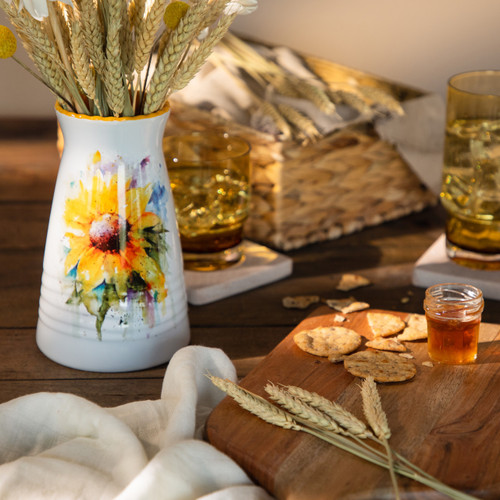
(113, 295)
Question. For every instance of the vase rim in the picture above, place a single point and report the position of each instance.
(162, 111)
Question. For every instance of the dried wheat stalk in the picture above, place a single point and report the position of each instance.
(98, 56)
(372, 408)
(93, 34)
(80, 61)
(256, 405)
(274, 415)
(301, 409)
(304, 125)
(146, 29)
(344, 418)
(113, 72)
(194, 62)
(178, 42)
(127, 41)
(41, 50)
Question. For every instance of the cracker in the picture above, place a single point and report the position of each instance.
(299, 301)
(351, 281)
(336, 358)
(418, 321)
(382, 366)
(383, 344)
(429, 364)
(407, 355)
(416, 328)
(338, 318)
(347, 305)
(384, 324)
(328, 341)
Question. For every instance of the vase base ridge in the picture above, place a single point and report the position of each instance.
(110, 356)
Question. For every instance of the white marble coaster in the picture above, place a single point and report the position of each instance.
(261, 266)
(435, 267)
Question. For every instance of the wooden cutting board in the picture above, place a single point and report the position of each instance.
(446, 420)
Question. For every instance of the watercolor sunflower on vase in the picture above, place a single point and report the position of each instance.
(114, 241)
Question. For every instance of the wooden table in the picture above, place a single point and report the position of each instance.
(246, 326)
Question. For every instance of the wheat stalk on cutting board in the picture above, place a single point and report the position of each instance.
(305, 411)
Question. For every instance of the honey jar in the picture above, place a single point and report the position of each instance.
(453, 312)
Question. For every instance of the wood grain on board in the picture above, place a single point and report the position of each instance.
(445, 420)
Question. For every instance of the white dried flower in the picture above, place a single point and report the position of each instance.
(38, 8)
(240, 7)
(203, 34)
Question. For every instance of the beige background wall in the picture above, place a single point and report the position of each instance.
(419, 43)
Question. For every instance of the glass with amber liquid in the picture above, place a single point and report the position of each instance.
(471, 172)
(210, 179)
(453, 312)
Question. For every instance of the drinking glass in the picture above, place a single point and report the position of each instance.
(210, 179)
(471, 174)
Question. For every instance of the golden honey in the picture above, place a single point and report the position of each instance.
(453, 312)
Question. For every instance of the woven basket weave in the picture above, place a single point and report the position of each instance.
(348, 180)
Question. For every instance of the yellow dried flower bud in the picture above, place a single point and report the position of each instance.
(8, 43)
(174, 12)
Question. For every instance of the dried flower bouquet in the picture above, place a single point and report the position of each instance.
(117, 57)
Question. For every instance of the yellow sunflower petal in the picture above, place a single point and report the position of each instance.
(137, 200)
(104, 195)
(151, 273)
(147, 219)
(77, 214)
(78, 246)
(117, 272)
(90, 269)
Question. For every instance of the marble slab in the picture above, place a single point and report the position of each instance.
(435, 267)
(260, 266)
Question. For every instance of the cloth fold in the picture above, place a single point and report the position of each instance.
(61, 446)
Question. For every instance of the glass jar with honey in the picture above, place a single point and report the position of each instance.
(453, 312)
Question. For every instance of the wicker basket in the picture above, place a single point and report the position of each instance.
(348, 180)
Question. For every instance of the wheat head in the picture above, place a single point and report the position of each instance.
(178, 41)
(344, 418)
(372, 408)
(146, 26)
(256, 405)
(113, 73)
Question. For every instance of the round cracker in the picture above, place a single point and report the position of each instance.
(328, 341)
(382, 366)
(384, 324)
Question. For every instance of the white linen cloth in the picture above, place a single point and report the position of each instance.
(61, 446)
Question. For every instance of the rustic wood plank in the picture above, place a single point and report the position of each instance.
(24, 225)
(20, 277)
(105, 392)
(28, 128)
(25, 361)
(28, 170)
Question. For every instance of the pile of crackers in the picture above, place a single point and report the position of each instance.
(386, 359)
